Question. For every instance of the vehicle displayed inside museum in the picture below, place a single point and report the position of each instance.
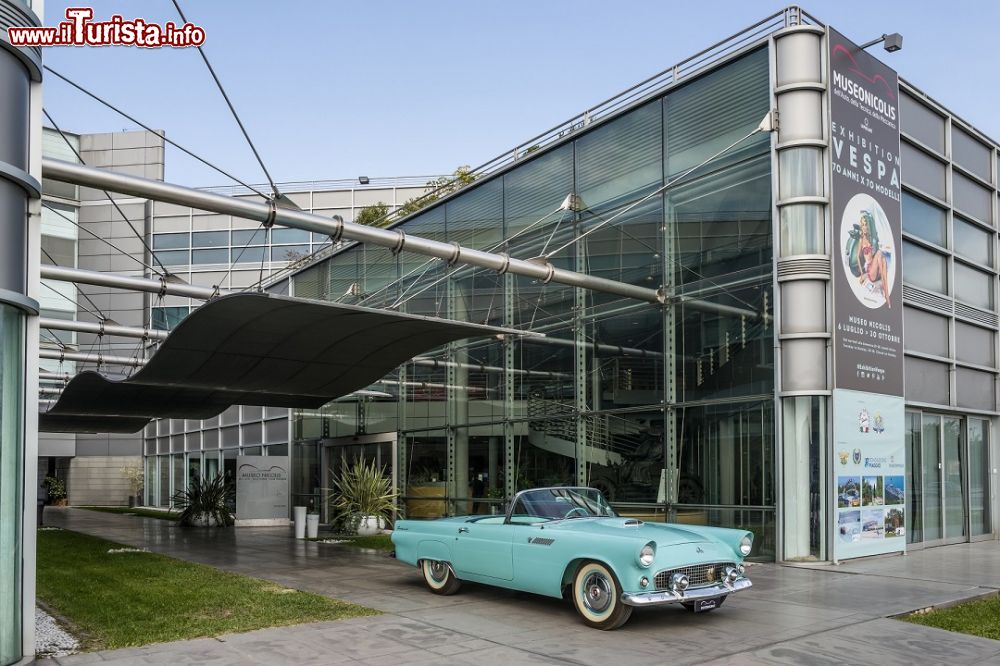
(563, 541)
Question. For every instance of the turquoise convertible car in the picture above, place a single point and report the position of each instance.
(555, 541)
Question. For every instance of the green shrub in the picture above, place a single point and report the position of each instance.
(206, 502)
(362, 490)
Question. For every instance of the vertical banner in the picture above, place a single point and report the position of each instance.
(868, 404)
(869, 474)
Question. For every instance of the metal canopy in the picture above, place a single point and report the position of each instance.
(254, 349)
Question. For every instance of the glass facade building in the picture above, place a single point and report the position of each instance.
(669, 410)
(714, 406)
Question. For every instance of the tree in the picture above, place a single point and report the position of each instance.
(377, 214)
(374, 215)
(437, 188)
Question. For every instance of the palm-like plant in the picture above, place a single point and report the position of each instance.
(361, 491)
(206, 502)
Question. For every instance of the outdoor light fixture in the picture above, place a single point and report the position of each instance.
(892, 42)
(364, 180)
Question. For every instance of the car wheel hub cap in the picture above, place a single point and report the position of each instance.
(438, 570)
(596, 593)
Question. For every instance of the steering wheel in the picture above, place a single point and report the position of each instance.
(576, 509)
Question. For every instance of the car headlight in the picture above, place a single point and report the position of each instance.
(647, 554)
(746, 544)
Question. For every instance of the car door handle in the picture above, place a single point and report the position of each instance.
(463, 530)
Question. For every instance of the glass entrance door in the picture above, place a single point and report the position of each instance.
(948, 459)
(953, 480)
(979, 477)
(930, 445)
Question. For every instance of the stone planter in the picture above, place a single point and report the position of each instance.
(202, 520)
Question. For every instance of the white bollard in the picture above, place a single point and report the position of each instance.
(312, 525)
(299, 513)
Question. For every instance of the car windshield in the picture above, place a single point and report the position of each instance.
(560, 504)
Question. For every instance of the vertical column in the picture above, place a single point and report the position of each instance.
(20, 220)
(667, 492)
(802, 289)
(509, 461)
(458, 405)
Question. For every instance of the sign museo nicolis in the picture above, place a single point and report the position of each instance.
(867, 221)
(261, 488)
(868, 407)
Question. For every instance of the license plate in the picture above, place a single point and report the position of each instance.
(705, 605)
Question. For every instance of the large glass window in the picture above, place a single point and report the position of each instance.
(802, 230)
(800, 172)
(293, 252)
(210, 239)
(214, 256)
(166, 318)
(973, 286)
(973, 242)
(281, 236)
(970, 153)
(11, 451)
(712, 112)
(171, 241)
(973, 344)
(925, 269)
(805, 465)
(972, 198)
(164, 481)
(925, 220)
(243, 237)
(926, 332)
(922, 171)
(248, 255)
(921, 123)
(173, 257)
(927, 381)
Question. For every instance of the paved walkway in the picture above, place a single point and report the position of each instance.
(793, 615)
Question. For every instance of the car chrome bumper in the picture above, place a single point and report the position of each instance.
(660, 597)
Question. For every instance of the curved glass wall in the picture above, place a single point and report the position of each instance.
(669, 410)
(11, 447)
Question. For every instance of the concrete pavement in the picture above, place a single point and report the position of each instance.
(792, 615)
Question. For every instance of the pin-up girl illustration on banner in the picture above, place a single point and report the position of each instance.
(869, 254)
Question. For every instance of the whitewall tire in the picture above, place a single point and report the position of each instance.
(597, 597)
(439, 577)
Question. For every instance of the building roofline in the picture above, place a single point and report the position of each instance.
(654, 86)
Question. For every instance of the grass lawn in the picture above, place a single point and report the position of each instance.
(378, 542)
(145, 513)
(979, 618)
(128, 599)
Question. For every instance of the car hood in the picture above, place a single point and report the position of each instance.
(663, 534)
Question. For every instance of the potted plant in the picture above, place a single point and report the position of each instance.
(363, 496)
(57, 490)
(206, 503)
(136, 477)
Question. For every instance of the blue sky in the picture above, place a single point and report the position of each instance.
(338, 89)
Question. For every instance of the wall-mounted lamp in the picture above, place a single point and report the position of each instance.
(892, 42)
(363, 180)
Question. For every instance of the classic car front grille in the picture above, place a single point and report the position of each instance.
(698, 574)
